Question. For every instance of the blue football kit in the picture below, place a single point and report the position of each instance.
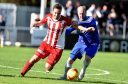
(88, 42)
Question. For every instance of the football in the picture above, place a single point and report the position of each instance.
(72, 74)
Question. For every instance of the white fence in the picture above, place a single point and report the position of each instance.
(16, 34)
(22, 34)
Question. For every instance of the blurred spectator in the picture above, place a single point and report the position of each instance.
(2, 29)
(63, 12)
(103, 20)
(75, 17)
(91, 10)
(97, 15)
(111, 22)
(2, 22)
(98, 12)
(121, 17)
(78, 3)
(69, 9)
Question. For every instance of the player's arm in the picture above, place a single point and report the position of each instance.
(76, 26)
(36, 24)
(81, 28)
(69, 30)
(89, 29)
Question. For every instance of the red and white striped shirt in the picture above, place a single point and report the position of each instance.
(56, 30)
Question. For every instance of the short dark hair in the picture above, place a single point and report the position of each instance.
(58, 6)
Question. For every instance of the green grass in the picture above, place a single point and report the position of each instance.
(12, 59)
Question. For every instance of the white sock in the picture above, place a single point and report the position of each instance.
(83, 70)
(67, 67)
(86, 64)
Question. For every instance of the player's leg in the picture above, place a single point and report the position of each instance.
(29, 64)
(40, 53)
(68, 65)
(75, 53)
(86, 63)
(53, 58)
(90, 53)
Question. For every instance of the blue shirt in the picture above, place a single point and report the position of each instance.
(87, 37)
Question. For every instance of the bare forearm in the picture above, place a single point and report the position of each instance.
(81, 28)
(35, 24)
(89, 29)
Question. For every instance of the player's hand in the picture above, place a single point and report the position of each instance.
(89, 29)
(35, 24)
(31, 25)
(74, 24)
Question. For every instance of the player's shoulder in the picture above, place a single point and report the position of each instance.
(64, 18)
(89, 19)
(49, 15)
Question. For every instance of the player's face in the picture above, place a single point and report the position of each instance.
(81, 13)
(56, 13)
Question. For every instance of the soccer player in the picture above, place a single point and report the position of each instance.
(88, 42)
(53, 44)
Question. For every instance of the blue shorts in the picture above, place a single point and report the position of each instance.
(80, 48)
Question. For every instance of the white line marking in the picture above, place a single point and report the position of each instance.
(9, 67)
(104, 72)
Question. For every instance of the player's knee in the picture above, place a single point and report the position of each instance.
(48, 67)
(34, 59)
(88, 59)
(70, 61)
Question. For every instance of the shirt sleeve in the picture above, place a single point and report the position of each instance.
(44, 20)
(68, 21)
(69, 30)
(92, 23)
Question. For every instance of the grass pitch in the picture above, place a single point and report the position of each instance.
(106, 68)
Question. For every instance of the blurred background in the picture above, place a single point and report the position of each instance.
(16, 16)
